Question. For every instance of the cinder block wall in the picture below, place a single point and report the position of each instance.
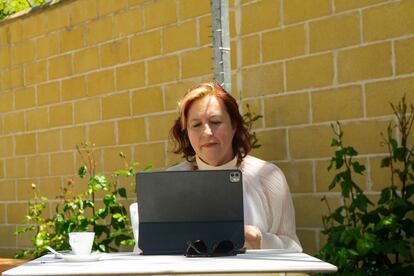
(111, 72)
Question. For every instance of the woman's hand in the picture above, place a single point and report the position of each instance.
(252, 236)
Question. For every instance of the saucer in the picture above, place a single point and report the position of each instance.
(81, 258)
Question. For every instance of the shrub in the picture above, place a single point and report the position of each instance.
(81, 212)
(364, 238)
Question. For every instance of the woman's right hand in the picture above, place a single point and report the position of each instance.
(252, 236)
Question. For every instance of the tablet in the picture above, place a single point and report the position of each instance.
(177, 207)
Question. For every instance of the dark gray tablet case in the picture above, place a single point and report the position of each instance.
(180, 206)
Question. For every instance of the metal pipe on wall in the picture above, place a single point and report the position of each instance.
(221, 43)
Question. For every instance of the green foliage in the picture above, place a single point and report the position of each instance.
(249, 119)
(9, 7)
(366, 238)
(107, 217)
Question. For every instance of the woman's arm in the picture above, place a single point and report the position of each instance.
(282, 226)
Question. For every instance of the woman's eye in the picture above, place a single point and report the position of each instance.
(216, 122)
(195, 125)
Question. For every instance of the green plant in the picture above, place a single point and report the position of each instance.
(107, 217)
(9, 7)
(364, 238)
(249, 119)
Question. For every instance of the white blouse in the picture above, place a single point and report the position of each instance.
(267, 201)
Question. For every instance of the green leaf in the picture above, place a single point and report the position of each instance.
(394, 144)
(346, 187)
(256, 146)
(128, 241)
(409, 191)
(88, 203)
(120, 239)
(403, 249)
(385, 195)
(386, 223)
(408, 227)
(102, 248)
(122, 192)
(339, 154)
(334, 142)
(337, 215)
(126, 173)
(98, 182)
(355, 186)
(365, 244)
(24, 230)
(109, 199)
(399, 207)
(399, 154)
(118, 217)
(99, 229)
(339, 163)
(351, 151)
(349, 235)
(385, 162)
(83, 222)
(370, 218)
(83, 170)
(149, 167)
(257, 117)
(330, 165)
(99, 178)
(358, 168)
(333, 183)
(353, 252)
(101, 213)
(361, 202)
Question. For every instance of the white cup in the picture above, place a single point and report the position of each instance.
(81, 242)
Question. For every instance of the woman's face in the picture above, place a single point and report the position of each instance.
(210, 131)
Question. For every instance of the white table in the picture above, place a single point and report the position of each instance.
(253, 262)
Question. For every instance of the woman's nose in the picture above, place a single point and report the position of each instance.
(208, 130)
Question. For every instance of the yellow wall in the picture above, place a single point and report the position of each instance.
(111, 72)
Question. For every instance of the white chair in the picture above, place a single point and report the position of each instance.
(133, 211)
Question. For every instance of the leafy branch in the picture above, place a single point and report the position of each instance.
(249, 119)
(110, 221)
(9, 7)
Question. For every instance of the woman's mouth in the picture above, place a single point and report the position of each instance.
(208, 145)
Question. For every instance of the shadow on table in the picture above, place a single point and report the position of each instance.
(6, 264)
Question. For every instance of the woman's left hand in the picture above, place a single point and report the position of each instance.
(253, 236)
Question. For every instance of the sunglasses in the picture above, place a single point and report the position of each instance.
(222, 248)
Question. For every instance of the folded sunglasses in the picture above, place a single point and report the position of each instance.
(222, 248)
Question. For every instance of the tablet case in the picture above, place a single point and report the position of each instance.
(180, 206)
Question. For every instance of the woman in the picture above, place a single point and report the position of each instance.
(210, 134)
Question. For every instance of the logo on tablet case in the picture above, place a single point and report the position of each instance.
(235, 177)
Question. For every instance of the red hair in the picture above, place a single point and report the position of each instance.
(241, 141)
